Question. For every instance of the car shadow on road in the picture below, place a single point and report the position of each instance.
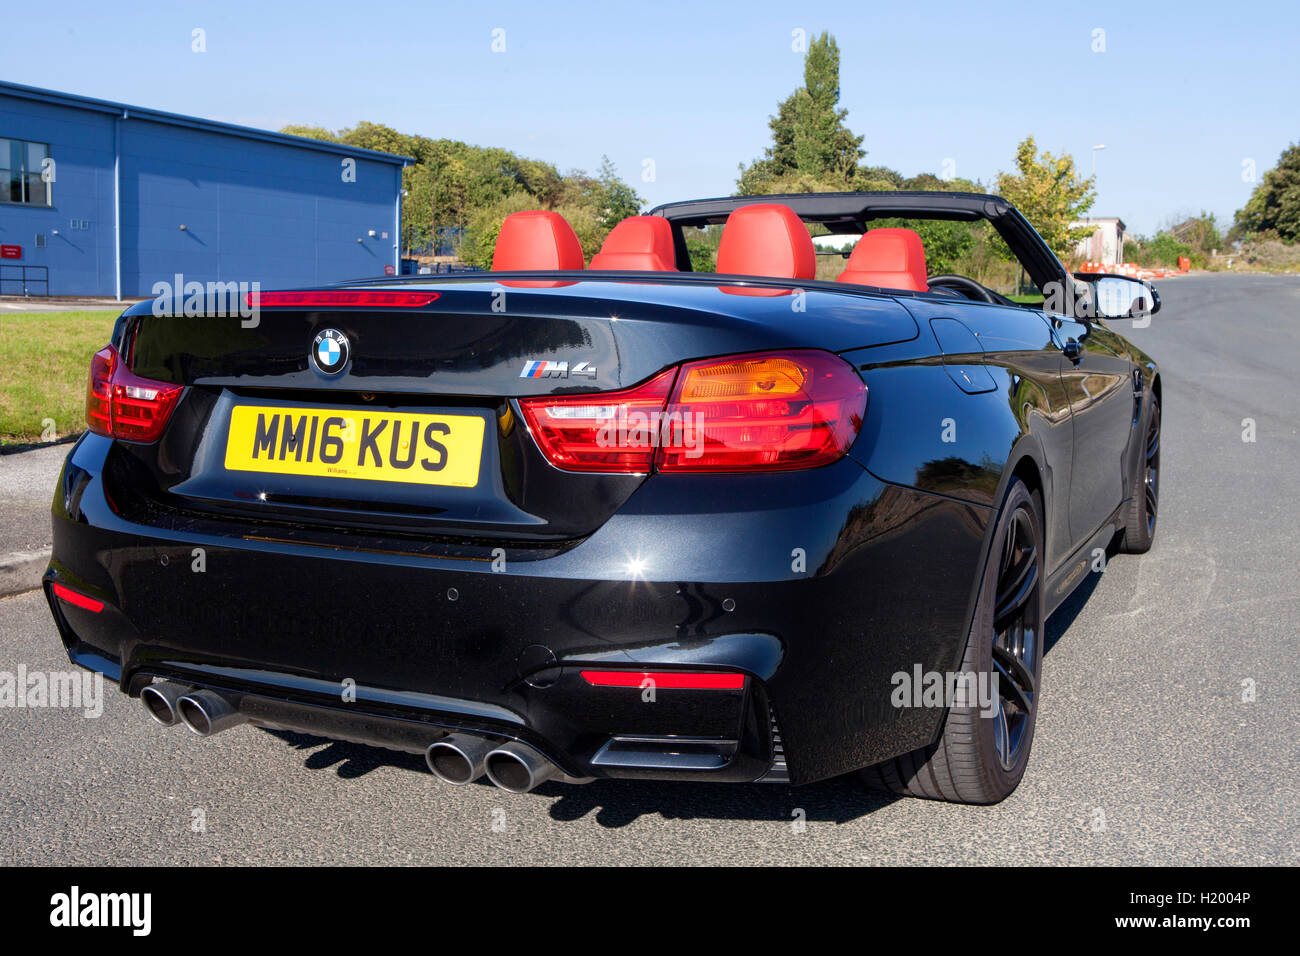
(352, 760)
(617, 803)
(1065, 615)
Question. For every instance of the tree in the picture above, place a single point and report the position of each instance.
(382, 139)
(1274, 206)
(1195, 237)
(470, 189)
(823, 145)
(310, 132)
(417, 208)
(811, 145)
(1200, 232)
(880, 178)
(616, 200)
(1050, 194)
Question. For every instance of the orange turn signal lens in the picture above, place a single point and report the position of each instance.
(770, 411)
(742, 378)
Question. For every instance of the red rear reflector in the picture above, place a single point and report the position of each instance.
(121, 404)
(601, 431)
(665, 679)
(372, 298)
(769, 411)
(80, 600)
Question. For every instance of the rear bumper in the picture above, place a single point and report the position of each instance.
(817, 603)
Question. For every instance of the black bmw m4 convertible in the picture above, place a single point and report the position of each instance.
(800, 516)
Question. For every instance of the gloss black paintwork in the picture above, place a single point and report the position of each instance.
(627, 331)
(885, 583)
(476, 608)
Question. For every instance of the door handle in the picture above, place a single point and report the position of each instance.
(1073, 350)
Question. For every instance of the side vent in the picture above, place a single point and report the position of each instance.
(777, 773)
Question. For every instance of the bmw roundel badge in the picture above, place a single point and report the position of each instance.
(329, 351)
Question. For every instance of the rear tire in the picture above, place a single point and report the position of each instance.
(980, 758)
(1140, 520)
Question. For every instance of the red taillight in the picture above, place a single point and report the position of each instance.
(766, 411)
(601, 431)
(121, 404)
(669, 680)
(374, 298)
(769, 411)
(80, 600)
(99, 391)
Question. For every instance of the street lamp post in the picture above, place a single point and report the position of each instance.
(1094, 178)
(1094, 158)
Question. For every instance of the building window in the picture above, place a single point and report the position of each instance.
(21, 167)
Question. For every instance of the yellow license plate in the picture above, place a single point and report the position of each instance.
(346, 443)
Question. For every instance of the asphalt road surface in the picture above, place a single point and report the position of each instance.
(26, 487)
(1146, 750)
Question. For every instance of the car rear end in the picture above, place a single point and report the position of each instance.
(596, 532)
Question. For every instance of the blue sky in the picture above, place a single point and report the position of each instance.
(1184, 93)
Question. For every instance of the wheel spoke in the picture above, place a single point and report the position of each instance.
(1002, 737)
(1013, 596)
(1016, 630)
(1009, 548)
(1152, 474)
(1015, 682)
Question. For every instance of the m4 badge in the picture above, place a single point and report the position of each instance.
(547, 369)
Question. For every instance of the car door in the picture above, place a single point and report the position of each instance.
(1104, 402)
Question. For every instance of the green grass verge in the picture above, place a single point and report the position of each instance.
(43, 375)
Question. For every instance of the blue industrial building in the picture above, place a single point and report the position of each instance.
(106, 199)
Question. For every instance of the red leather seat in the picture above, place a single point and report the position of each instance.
(536, 239)
(890, 258)
(766, 239)
(637, 244)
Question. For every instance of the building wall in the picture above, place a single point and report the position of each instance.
(1104, 245)
(81, 261)
(253, 210)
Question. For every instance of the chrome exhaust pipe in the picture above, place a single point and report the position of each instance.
(160, 701)
(206, 713)
(519, 768)
(458, 759)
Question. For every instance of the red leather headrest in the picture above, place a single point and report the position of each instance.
(536, 239)
(637, 244)
(891, 258)
(766, 239)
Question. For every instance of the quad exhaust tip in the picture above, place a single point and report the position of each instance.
(518, 768)
(459, 758)
(159, 701)
(206, 713)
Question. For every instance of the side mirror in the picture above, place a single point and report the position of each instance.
(1117, 297)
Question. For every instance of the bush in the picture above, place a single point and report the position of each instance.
(586, 222)
(704, 254)
(1268, 255)
(1163, 251)
(480, 238)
